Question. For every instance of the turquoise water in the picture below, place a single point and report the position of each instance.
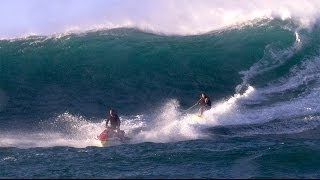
(263, 80)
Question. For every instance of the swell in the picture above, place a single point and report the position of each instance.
(127, 69)
(64, 85)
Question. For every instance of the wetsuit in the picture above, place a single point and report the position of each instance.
(203, 103)
(114, 122)
(208, 104)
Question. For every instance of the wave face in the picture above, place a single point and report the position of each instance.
(60, 88)
(259, 62)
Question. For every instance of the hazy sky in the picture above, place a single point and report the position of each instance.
(24, 17)
(18, 16)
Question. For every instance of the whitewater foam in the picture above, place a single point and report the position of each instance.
(181, 18)
(291, 115)
(67, 130)
(173, 125)
(273, 58)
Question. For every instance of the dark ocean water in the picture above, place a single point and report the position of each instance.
(263, 80)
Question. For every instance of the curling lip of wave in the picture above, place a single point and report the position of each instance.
(181, 18)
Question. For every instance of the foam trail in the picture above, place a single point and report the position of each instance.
(31, 140)
(303, 107)
(172, 125)
(76, 131)
(287, 115)
(272, 59)
(292, 116)
(304, 75)
(168, 126)
(65, 130)
(298, 40)
(221, 109)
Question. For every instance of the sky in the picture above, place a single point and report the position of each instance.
(44, 17)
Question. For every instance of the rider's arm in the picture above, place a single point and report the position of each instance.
(107, 121)
(118, 124)
(199, 101)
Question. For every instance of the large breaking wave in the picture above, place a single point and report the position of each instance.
(262, 78)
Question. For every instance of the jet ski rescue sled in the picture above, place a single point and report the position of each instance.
(110, 137)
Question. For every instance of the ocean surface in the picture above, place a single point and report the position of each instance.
(263, 79)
